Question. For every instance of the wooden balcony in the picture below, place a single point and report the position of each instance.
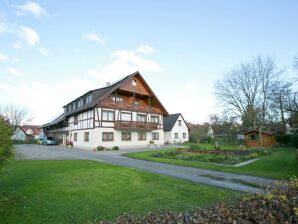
(134, 125)
(129, 106)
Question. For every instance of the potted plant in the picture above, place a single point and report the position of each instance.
(151, 144)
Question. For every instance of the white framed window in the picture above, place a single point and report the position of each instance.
(141, 118)
(126, 136)
(88, 99)
(176, 135)
(179, 123)
(117, 99)
(155, 119)
(141, 135)
(76, 120)
(184, 135)
(107, 136)
(108, 115)
(155, 136)
(86, 136)
(125, 116)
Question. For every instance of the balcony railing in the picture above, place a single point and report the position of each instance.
(128, 125)
(129, 106)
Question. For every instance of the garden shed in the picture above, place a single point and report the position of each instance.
(252, 138)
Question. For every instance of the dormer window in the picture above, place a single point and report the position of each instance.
(88, 99)
(80, 102)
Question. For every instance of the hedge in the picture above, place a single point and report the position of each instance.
(279, 205)
(5, 139)
(283, 139)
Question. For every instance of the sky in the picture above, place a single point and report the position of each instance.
(53, 51)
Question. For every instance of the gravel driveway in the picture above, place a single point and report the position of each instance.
(226, 180)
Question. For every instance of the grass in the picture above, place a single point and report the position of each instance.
(83, 191)
(280, 164)
(209, 146)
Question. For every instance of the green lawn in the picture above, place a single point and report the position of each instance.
(82, 191)
(281, 164)
(209, 146)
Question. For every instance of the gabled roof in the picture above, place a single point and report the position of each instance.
(101, 93)
(170, 121)
(35, 129)
(256, 130)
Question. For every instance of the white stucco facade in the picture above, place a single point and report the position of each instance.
(179, 133)
(91, 123)
(19, 135)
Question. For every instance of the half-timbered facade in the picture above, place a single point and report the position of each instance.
(125, 114)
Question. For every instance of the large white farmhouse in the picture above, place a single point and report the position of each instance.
(175, 129)
(124, 114)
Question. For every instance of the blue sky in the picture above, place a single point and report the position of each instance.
(53, 51)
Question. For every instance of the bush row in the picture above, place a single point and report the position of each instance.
(5, 139)
(101, 148)
(279, 205)
(287, 139)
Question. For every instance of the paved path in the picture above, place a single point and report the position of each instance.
(226, 180)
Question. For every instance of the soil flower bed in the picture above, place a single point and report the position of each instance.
(226, 157)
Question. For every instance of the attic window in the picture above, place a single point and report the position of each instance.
(88, 99)
(134, 82)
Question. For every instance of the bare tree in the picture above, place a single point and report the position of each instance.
(15, 115)
(246, 90)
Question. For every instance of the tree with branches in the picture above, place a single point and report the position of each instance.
(247, 89)
(15, 115)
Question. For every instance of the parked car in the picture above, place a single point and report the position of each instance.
(49, 141)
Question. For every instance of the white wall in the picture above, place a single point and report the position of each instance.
(170, 135)
(95, 139)
(19, 135)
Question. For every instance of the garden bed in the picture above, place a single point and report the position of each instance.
(225, 157)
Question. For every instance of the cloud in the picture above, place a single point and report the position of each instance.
(36, 96)
(94, 37)
(191, 86)
(123, 63)
(33, 8)
(14, 71)
(43, 50)
(146, 49)
(3, 57)
(3, 24)
(17, 44)
(30, 36)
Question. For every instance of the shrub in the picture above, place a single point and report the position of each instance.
(194, 146)
(283, 139)
(294, 140)
(157, 154)
(100, 148)
(5, 139)
(115, 148)
(279, 205)
(252, 155)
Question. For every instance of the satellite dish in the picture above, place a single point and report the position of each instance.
(108, 84)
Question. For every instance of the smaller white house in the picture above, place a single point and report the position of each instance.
(175, 129)
(27, 133)
(20, 135)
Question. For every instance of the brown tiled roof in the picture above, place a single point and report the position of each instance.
(35, 128)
